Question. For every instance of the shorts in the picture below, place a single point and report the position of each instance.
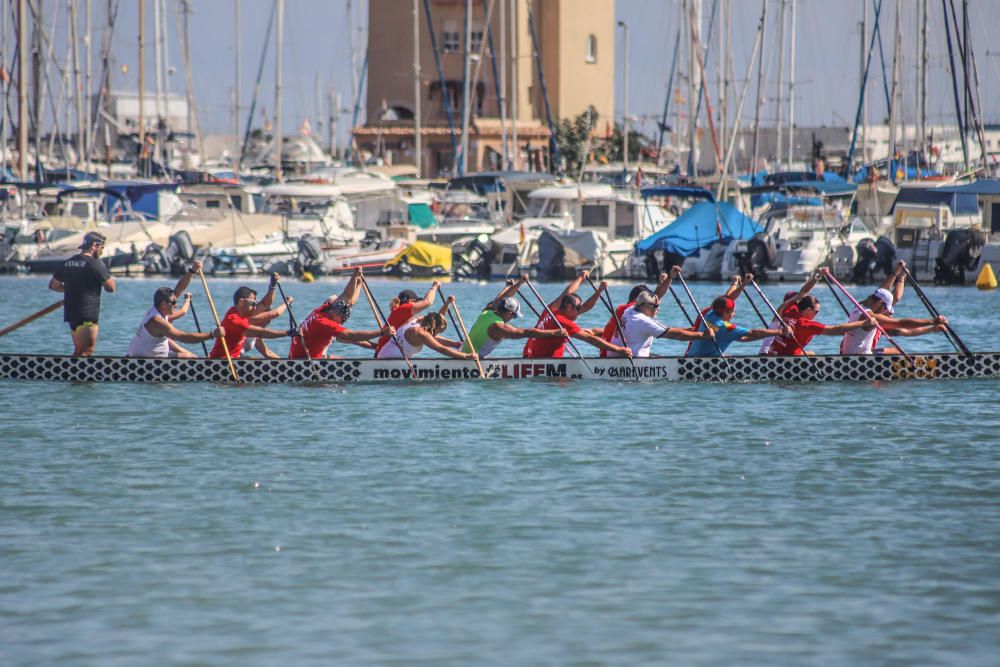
(76, 325)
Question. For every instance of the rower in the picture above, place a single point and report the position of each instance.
(493, 325)
(717, 319)
(805, 327)
(263, 315)
(325, 325)
(567, 307)
(880, 306)
(641, 327)
(787, 309)
(662, 287)
(405, 306)
(417, 333)
(237, 324)
(156, 336)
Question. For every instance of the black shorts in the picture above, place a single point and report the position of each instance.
(75, 325)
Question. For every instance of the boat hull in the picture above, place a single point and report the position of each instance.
(745, 369)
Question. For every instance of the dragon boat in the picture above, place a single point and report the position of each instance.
(745, 369)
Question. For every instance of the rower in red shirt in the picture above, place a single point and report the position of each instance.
(567, 307)
(238, 325)
(325, 325)
(805, 328)
(405, 307)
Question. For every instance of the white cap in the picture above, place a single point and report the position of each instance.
(885, 296)
(511, 305)
(647, 299)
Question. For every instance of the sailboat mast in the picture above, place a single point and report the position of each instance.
(515, 32)
(694, 17)
(87, 79)
(760, 80)
(466, 82)
(783, 17)
(237, 161)
(22, 89)
(74, 20)
(893, 108)
(418, 146)
(502, 102)
(791, 92)
(280, 35)
(922, 99)
(142, 77)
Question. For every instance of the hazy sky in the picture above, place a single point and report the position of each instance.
(317, 49)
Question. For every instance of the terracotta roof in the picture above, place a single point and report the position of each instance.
(477, 129)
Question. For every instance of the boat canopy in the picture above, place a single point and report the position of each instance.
(985, 187)
(684, 192)
(574, 192)
(305, 190)
(698, 227)
(424, 254)
(143, 196)
(960, 203)
(421, 215)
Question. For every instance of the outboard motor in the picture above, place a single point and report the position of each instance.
(154, 260)
(310, 254)
(757, 257)
(551, 257)
(873, 257)
(961, 252)
(474, 261)
(179, 252)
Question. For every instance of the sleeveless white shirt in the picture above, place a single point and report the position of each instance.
(391, 351)
(859, 341)
(145, 344)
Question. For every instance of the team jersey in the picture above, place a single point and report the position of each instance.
(790, 311)
(319, 331)
(611, 328)
(549, 348)
(725, 334)
(860, 341)
(83, 277)
(236, 327)
(399, 316)
(640, 330)
(803, 331)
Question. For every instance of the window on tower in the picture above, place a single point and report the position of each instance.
(591, 49)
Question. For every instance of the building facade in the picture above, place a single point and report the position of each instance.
(576, 51)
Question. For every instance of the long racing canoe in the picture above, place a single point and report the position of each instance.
(755, 369)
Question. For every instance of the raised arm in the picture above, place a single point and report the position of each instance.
(428, 298)
(512, 288)
(443, 310)
(592, 301)
(352, 292)
(570, 289)
(266, 316)
(502, 331)
(185, 280)
(807, 287)
(735, 287)
(663, 286)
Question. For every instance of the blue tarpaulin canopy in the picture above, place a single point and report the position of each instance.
(697, 228)
(143, 196)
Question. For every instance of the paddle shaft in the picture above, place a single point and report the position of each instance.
(381, 321)
(557, 323)
(680, 305)
(837, 297)
(197, 325)
(452, 318)
(218, 324)
(31, 318)
(950, 333)
(774, 312)
(609, 304)
(865, 310)
(295, 326)
(707, 327)
(756, 309)
(475, 355)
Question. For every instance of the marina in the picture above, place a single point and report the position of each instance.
(499, 332)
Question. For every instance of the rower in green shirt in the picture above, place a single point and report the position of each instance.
(491, 327)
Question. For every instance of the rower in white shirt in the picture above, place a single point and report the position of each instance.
(641, 327)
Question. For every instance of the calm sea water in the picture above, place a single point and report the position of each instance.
(481, 523)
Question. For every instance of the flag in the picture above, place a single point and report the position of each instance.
(521, 242)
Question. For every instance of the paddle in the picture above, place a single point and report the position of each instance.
(708, 327)
(878, 326)
(197, 325)
(381, 321)
(475, 355)
(950, 333)
(218, 324)
(31, 318)
(618, 322)
(756, 310)
(451, 317)
(553, 316)
(681, 306)
(837, 297)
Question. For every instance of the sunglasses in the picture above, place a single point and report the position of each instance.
(172, 302)
(251, 302)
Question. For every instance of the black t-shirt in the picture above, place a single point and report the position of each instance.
(83, 277)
